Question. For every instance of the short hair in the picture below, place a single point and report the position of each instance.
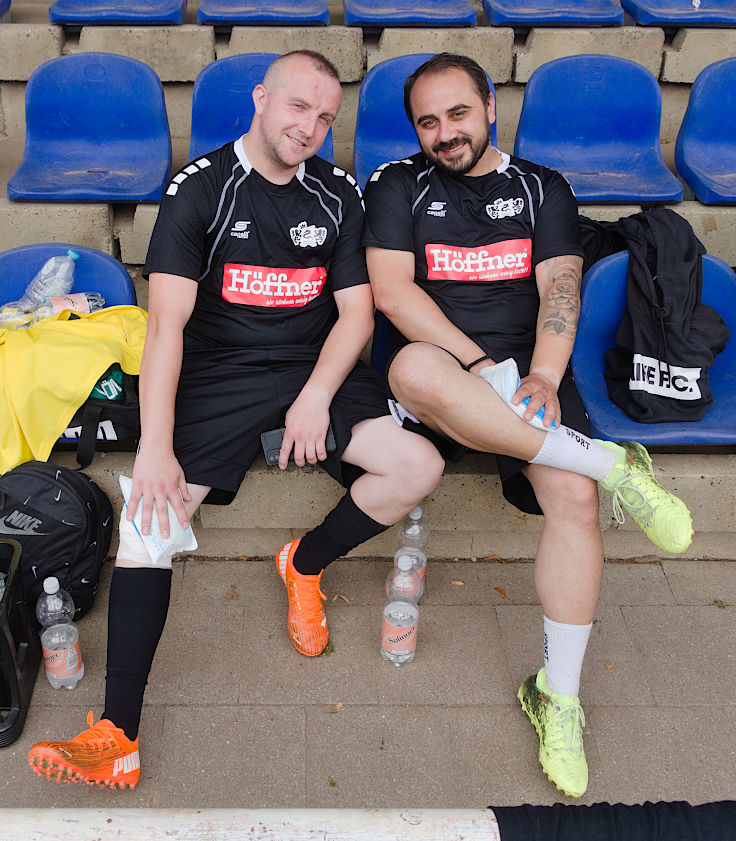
(447, 61)
(319, 62)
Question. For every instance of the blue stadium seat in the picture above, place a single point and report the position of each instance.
(4, 6)
(382, 130)
(603, 305)
(595, 118)
(94, 271)
(409, 13)
(222, 102)
(264, 12)
(553, 12)
(705, 152)
(96, 130)
(682, 12)
(111, 12)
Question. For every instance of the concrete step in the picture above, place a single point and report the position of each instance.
(467, 514)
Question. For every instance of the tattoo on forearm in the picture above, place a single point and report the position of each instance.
(560, 309)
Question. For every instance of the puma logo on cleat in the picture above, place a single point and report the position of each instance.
(126, 764)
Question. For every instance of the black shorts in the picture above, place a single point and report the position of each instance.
(517, 489)
(227, 397)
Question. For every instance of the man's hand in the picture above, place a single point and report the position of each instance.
(306, 428)
(541, 392)
(158, 479)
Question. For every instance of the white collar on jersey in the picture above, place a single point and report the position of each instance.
(505, 160)
(248, 166)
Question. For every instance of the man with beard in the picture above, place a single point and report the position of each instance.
(475, 257)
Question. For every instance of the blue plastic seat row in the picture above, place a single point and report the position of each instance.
(4, 6)
(96, 127)
(379, 13)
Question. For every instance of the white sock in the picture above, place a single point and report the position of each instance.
(564, 649)
(570, 450)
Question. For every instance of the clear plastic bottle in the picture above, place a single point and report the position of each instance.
(413, 530)
(62, 655)
(55, 277)
(81, 302)
(401, 614)
(419, 561)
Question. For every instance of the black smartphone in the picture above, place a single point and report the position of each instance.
(271, 442)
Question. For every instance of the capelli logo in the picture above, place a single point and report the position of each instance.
(437, 208)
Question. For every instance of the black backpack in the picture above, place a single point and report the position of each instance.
(106, 419)
(63, 521)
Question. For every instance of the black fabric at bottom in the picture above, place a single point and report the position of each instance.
(677, 821)
(139, 604)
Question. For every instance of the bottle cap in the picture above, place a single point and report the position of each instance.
(404, 563)
(51, 585)
(73, 254)
(415, 513)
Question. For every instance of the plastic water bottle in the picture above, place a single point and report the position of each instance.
(401, 614)
(413, 531)
(62, 654)
(402, 583)
(56, 277)
(419, 561)
(81, 302)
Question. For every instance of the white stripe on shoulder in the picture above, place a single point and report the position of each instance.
(377, 172)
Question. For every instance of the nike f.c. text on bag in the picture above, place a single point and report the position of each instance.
(110, 413)
(668, 338)
(63, 521)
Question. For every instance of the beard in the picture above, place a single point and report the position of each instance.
(463, 165)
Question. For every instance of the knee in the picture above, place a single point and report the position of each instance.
(413, 375)
(572, 497)
(418, 467)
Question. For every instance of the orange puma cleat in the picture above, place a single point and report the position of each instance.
(102, 755)
(307, 623)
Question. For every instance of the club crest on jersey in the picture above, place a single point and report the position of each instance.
(308, 236)
(501, 209)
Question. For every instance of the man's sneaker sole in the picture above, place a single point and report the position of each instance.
(521, 695)
(59, 772)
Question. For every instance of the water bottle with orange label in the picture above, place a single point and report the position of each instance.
(62, 655)
(413, 530)
(400, 613)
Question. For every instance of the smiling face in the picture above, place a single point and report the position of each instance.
(294, 109)
(452, 122)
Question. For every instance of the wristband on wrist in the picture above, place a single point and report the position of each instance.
(481, 359)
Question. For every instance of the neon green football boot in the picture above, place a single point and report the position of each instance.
(559, 722)
(663, 517)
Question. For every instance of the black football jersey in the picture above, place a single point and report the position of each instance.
(267, 257)
(476, 240)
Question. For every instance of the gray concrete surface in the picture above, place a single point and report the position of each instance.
(234, 717)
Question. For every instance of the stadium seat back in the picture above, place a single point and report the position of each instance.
(705, 152)
(264, 12)
(381, 13)
(596, 118)
(222, 102)
(682, 12)
(94, 271)
(111, 12)
(553, 13)
(96, 130)
(382, 131)
(603, 306)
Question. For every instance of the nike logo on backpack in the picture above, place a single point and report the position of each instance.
(18, 523)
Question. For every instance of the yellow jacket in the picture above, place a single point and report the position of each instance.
(49, 370)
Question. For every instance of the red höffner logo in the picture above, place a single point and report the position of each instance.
(265, 286)
(498, 261)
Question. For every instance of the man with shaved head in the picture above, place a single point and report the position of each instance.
(259, 309)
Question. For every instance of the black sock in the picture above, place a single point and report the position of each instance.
(344, 528)
(139, 603)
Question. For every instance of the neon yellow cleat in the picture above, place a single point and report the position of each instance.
(559, 722)
(663, 517)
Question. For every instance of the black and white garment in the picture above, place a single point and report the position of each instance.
(476, 240)
(267, 257)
